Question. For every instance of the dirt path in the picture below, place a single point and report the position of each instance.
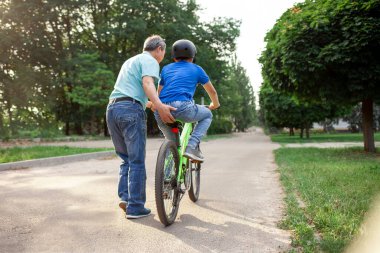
(73, 207)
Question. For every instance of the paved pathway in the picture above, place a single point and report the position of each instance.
(73, 207)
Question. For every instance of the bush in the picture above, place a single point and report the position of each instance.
(220, 126)
(4, 133)
(38, 132)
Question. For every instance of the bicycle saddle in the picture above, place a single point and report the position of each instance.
(175, 124)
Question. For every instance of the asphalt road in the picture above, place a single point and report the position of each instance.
(74, 207)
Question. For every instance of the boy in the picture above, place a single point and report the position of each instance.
(176, 88)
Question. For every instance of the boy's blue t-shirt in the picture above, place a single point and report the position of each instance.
(179, 81)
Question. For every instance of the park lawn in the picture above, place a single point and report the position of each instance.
(321, 137)
(337, 187)
(27, 153)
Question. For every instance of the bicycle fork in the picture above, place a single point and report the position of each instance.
(181, 143)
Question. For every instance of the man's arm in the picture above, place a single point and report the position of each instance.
(159, 89)
(149, 104)
(213, 95)
(163, 110)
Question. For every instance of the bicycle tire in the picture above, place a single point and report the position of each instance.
(195, 181)
(164, 183)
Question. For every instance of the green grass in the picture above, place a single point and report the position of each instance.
(19, 154)
(337, 187)
(78, 138)
(321, 137)
(60, 138)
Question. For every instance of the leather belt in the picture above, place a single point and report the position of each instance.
(115, 100)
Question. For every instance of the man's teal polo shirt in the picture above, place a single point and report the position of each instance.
(129, 80)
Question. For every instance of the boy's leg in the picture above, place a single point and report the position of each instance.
(189, 112)
(204, 117)
(165, 129)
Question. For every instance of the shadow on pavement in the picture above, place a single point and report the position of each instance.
(222, 231)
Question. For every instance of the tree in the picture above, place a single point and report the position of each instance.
(280, 109)
(328, 51)
(243, 110)
(46, 48)
(355, 116)
(90, 89)
(26, 59)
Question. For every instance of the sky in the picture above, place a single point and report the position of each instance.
(258, 17)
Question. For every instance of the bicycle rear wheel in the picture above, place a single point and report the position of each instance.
(166, 192)
(195, 181)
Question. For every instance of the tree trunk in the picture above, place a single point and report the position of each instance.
(368, 133)
(105, 126)
(10, 117)
(75, 110)
(67, 128)
(291, 131)
(99, 125)
(301, 133)
(78, 127)
(307, 132)
(1, 120)
(93, 123)
(2, 129)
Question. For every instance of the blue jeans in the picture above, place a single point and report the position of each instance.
(188, 111)
(126, 122)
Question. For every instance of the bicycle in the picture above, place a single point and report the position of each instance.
(175, 174)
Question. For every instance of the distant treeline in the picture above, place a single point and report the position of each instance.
(59, 60)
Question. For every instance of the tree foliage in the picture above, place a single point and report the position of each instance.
(243, 109)
(59, 59)
(281, 109)
(327, 50)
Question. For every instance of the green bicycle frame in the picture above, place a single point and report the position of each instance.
(184, 139)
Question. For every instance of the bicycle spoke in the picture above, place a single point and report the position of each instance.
(169, 183)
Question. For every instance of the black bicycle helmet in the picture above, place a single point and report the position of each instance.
(183, 49)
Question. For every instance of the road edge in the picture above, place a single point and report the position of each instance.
(42, 162)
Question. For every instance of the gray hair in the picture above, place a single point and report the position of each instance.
(153, 42)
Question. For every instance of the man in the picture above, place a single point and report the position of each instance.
(126, 120)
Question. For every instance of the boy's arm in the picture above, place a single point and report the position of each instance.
(163, 110)
(213, 95)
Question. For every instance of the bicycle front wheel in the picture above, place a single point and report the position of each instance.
(166, 192)
(195, 181)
